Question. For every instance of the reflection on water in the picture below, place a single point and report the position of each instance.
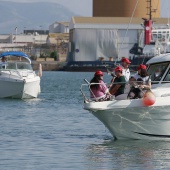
(129, 154)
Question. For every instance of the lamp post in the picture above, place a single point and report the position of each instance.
(16, 34)
(40, 38)
(41, 34)
(24, 32)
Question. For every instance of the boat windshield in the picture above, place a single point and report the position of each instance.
(157, 72)
(17, 66)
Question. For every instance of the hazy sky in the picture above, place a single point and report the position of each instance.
(84, 7)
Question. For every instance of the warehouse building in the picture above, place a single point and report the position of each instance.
(112, 31)
(105, 38)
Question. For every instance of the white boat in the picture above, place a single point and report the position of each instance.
(17, 78)
(131, 118)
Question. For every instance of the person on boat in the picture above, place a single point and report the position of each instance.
(140, 83)
(137, 75)
(126, 73)
(3, 63)
(125, 69)
(119, 82)
(98, 89)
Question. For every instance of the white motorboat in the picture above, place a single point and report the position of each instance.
(131, 118)
(17, 78)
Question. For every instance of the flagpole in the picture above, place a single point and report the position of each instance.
(12, 37)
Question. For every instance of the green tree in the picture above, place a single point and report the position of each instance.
(54, 55)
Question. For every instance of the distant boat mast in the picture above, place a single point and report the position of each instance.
(150, 10)
(148, 23)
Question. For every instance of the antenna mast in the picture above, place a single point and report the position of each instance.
(150, 10)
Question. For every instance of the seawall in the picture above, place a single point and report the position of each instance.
(48, 65)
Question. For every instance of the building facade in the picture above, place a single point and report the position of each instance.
(59, 27)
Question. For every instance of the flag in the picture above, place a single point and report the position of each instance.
(15, 28)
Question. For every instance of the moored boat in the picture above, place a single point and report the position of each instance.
(17, 78)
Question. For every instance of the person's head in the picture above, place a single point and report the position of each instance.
(98, 75)
(141, 67)
(143, 73)
(125, 62)
(118, 71)
(3, 59)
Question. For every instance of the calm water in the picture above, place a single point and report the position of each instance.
(54, 132)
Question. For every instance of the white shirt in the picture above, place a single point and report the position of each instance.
(126, 73)
(145, 79)
(136, 76)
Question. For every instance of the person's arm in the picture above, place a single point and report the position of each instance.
(131, 81)
(107, 92)
(147, 86)
(104, 88)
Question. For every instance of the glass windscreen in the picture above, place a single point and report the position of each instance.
(18, 65)
(23, 65)
(157, 71)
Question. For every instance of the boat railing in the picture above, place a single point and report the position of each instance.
(87, 92)
(85, 89)
(16, 67)
(88, 84)
(11, 72)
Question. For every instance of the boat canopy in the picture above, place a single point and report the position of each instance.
(15, 54)
(159, 59)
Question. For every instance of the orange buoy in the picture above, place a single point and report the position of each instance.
(149, 98)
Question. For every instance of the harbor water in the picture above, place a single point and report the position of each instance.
(54, 132)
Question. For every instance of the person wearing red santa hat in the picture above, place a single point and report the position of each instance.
(118, 85)
(140, 83)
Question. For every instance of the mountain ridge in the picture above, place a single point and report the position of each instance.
(31, 15)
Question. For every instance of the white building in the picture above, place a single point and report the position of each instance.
(59, 27)
(20, 41)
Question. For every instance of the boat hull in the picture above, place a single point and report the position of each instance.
(133, 120)
(19, 88)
